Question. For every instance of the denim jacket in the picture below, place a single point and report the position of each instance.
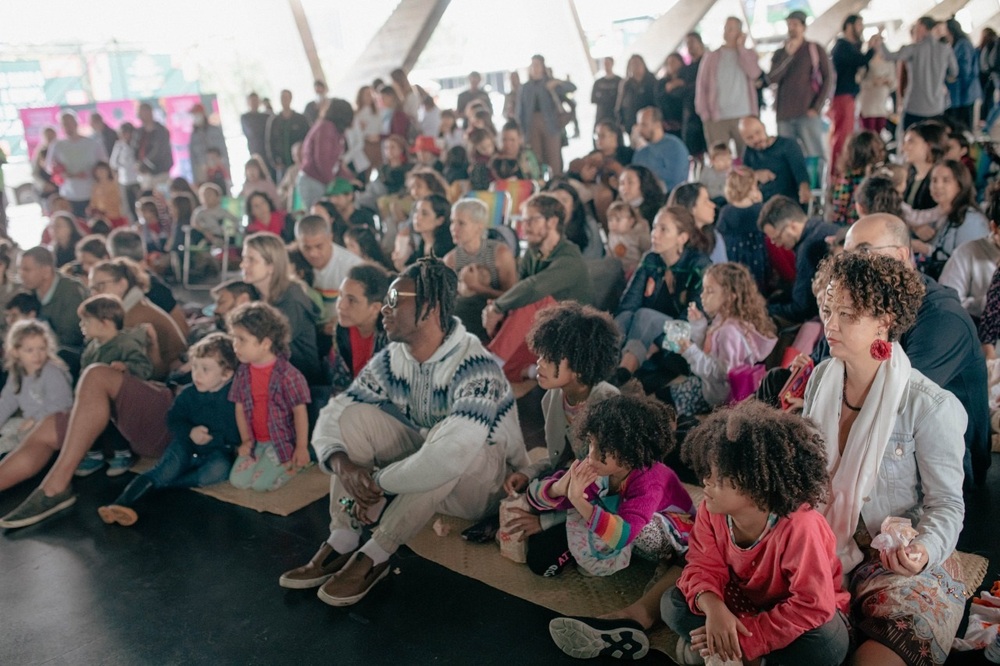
(921, 474)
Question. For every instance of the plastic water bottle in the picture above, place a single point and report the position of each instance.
(992, 651)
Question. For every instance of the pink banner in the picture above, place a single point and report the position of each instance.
(174, 112)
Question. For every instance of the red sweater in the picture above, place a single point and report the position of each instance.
(792, 579)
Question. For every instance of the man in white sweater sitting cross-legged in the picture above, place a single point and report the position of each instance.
(429, 425)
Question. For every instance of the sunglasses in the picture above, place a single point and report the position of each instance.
(392, 298)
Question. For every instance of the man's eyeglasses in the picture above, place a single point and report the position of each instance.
(392, 298)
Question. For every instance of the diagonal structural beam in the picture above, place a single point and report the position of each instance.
(667, 32)
(398, 43)
(826, 26)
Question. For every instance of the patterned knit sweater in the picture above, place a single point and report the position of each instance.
(459, 398)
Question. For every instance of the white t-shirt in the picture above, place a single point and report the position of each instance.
(327, 281)
(734, 91)
(76, 156)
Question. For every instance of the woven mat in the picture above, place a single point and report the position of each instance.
(304, 489)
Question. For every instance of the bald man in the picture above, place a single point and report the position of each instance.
(776, 161)
(942, 343)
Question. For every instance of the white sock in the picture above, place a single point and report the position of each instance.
(343, 540)
(375, 551)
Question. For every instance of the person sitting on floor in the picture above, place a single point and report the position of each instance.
(762, 575)
(38, 382)
(551, 270)
(450, 455)
(359, 334)
(271, 397)
(109, 391)
(618, 499)
(128, 243)
(628, 235)
(576, 349)
(203, 423)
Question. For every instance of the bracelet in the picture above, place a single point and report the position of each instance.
(696, 598)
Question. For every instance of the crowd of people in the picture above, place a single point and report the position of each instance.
(823, 369)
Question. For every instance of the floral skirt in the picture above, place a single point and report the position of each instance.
(915, 616)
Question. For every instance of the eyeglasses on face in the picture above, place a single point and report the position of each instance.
(392, 298)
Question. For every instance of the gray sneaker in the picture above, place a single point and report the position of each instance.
(37, 507)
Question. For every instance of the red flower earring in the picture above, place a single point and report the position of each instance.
(881, 350)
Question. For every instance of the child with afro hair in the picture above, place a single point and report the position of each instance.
(619, 498)
(762, 575)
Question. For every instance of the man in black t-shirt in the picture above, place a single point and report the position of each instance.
(604, 94)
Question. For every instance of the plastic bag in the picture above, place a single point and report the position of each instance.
(511, 544)
(674, 331)
(895, 533)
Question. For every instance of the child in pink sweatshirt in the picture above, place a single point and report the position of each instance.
(618, 497)
(763, 577)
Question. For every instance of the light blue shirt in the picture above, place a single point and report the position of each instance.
(668, 159)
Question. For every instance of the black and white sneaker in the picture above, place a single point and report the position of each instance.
(588, 637)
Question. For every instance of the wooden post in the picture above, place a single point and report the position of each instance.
(302, 23)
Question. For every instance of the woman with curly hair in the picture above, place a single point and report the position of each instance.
(862, 154)
(638, 187)
(762, 575)
(620, 498)
(895, 446)
(741, 334)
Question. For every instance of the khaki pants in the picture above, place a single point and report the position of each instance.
(375, 438)
(547, 146)
(721, 131)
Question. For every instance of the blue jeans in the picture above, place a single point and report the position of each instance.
(641, 327)
(808, 131)
(184, 465)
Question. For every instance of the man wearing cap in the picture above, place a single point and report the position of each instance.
(340, 193)
(284, 129)
(205, 135)
(426, 150)
(801, 70)
(931, 64)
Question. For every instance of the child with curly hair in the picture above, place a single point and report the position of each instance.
(762, 575)
(741, 334)
(620, 498)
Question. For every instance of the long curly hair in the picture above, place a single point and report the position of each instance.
(775, 458)
(586, 337)
(878, 286)
(637, 431)
(745, 302)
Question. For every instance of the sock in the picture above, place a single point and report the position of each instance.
(343, 540)
(375, 551)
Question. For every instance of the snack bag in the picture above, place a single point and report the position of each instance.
(674, 331)
(895, 533)
(511, 545)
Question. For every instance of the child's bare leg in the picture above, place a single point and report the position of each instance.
(876, 654)
(646, 609)
(31, 455)
(91, 413)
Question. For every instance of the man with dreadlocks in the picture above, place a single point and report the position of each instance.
(430, 422)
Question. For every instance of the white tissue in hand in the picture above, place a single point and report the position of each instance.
(895, 533)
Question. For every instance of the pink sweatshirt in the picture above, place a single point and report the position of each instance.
(645, 492)
(787, 584)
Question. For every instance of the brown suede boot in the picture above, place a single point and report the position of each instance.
(317, 571)
(353, 582)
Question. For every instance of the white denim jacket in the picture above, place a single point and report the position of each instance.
(921, 473)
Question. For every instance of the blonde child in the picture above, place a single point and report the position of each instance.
(38, 382)
(271, 398)
(714, 176)
(738, 224)
(210, 218)
(628, 235)
(741, 334)
(620, 498)
(105, 198)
